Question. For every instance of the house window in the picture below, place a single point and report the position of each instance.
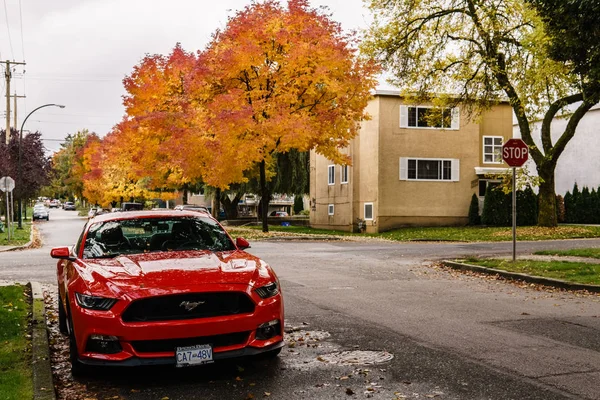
(492, 149)
(344, 177)
(331, 174)
(368, 211)
(429, 169)
(429, 117)
(330, 209)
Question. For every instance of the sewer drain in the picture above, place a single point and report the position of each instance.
(356, 357)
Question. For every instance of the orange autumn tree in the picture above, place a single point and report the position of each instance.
(158, 113)
(274, 79)
(122, 176)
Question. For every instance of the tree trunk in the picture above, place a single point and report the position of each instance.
(264, 197)
(217, 204)
(547, 196)
(185, 194)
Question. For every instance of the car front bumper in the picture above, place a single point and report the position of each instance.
(143, 343)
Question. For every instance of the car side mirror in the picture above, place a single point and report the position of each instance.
(242, 243)
(62, 253)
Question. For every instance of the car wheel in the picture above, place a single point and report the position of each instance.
(77, 367)
(62, 318)
(48, 218)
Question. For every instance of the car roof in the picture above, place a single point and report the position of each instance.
(120, 215)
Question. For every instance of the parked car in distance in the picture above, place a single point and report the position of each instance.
(131, 206)
(191, 207)
(164, 287)
(69, 205)
(41, 212)
(96, 211)
(54, 203)
(279, 214)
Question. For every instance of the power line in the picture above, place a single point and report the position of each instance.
(12, 54)
(22, 41)
(72, 123)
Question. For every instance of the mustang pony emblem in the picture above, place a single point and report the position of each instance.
(190, 305)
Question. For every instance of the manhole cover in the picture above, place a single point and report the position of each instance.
(356, 357)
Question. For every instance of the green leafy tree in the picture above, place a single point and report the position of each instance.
(484, 51)
(67, 167)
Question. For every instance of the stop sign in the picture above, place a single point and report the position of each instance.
(515, 152)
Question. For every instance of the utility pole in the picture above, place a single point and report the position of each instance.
(7, 75)
(15, 97)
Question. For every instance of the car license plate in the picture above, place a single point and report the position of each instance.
(194, 355)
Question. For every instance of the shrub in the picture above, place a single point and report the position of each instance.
(496, 208)
(298, 204)
(527, 207)
(474, 218)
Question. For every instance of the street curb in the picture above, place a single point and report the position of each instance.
(522, 277)
(43, 386)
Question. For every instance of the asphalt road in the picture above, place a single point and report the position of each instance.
(451, 335)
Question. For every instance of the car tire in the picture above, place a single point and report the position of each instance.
(48, 218)
(77, 367)
(62, 318)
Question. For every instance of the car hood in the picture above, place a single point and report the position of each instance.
(163, 271)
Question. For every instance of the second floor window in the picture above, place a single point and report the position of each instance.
(344, 177)
(492, 149)
(429, 117)
(331, 174)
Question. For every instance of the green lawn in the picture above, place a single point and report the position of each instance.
(590, 253)
(568, 271)
(453, 234)
(15, 349)
(18, 236)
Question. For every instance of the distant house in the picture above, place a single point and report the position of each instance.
(412, 164)
(579, 162)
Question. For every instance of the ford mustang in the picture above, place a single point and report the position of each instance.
(165, 287)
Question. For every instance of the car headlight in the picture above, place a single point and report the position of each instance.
(269, 290)
(94, 302)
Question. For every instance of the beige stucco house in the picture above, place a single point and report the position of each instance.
(412, 164)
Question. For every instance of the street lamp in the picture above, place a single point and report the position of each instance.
(19, 173)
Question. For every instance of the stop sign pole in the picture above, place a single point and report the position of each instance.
(514, 152)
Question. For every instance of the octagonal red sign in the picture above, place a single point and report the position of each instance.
(515, 152)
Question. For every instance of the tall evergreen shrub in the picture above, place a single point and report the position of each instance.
(474, 218)
(298, 204)
(496, 208)
(527, 207)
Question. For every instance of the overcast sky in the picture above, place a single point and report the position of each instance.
(78, 51)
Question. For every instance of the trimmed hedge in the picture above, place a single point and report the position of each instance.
(582, 207)
(497, 207)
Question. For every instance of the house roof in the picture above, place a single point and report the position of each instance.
(398, 93)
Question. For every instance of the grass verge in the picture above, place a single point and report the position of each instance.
(576, 272)
(434, 234)
(590, 253)
(18, 236)
(15, 354)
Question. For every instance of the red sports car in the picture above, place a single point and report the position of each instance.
(165, 287)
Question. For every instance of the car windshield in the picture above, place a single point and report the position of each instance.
(142, 235)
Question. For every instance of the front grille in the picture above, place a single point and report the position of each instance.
(169, 345)
(188, 306)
